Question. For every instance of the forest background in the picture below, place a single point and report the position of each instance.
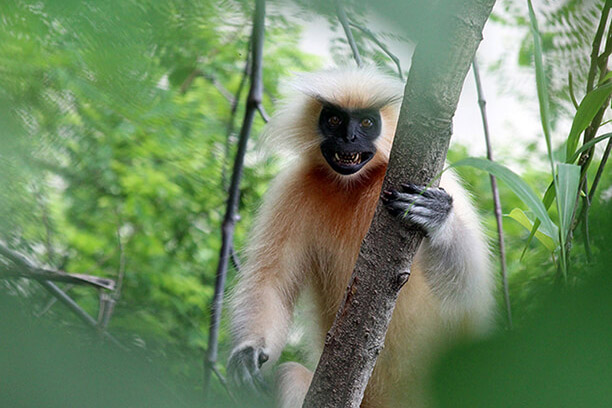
(118, 128)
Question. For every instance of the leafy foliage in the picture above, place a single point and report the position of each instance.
(115, 139)
(117, 129)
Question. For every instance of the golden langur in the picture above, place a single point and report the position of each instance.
(340, 125)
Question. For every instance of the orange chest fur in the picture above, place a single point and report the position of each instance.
(338, 213)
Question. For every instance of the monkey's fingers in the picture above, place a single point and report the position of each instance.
(413, 188)
(427, 192)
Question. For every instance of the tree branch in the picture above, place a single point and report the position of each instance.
(439, 66)
(597, 45)
(494, 190)
(602, 164)
(212, 79)
(253, 101)
(262, 112)
(347, 31)
(382, 46)
(77, 310)
(231, 121)
(23, 267)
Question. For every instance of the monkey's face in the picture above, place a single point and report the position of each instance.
(348, 137)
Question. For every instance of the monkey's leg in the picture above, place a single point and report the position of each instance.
(292, 382)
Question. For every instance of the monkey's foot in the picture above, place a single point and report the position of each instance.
(243, 369)
(425, 208)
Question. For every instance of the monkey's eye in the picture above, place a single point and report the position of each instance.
(334, 121)
(367, 123)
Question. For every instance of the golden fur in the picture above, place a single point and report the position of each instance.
(308, 233)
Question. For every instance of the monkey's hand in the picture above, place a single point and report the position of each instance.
(244, 368)
(425, 208)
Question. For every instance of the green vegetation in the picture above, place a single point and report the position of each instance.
(116, 143)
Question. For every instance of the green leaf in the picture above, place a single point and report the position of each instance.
(569, 180)
(517, 185)
(587, 110)
(549, 196)
(518, 215)
(541, 81)
(605, 78)
(588, 145)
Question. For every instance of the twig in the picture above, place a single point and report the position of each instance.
(223, 382)
(262, 113)
(47, 224)
(52, 301)
(347, 31)
(382, 46)
(76, 309)
(222, 90)
(121, 270)
(600, 169)
(108, 301)
(235, 259)
(232, 119)
(585, 226)
(496, 201)
(597, 45)
(25, 268)
(189, 80)
(253, 100)
(212, 79)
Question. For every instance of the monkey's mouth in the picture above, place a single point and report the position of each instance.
(347, 163)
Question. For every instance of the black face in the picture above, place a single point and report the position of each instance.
(348, 137)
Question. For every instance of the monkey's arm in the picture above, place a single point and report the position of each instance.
(454, 255)
(263, 300)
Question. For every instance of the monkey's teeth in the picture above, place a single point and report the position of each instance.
(348, 158)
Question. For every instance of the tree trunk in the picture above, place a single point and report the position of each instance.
(439, 66)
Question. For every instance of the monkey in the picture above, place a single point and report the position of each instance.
(340, 126)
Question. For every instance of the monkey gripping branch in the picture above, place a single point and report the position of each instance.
(439, 66)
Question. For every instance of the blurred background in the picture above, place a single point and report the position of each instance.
(118, 129)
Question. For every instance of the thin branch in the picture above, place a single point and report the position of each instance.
(222, 89)
(46, 221)
(109, 301)
(600, 169)
(52, 301)
(121, 270)
(235, 259)
(232, 119)
(262, 113)
(105, 311)
(347, 31)
(189, 80)
(25, 268)
(77, 310)
(209, 77)
(585, 224)
(223, 382)
(597, 45)
(496, 201)
(253, 100)
(382, 46)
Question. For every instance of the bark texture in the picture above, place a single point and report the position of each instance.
(439, 66)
